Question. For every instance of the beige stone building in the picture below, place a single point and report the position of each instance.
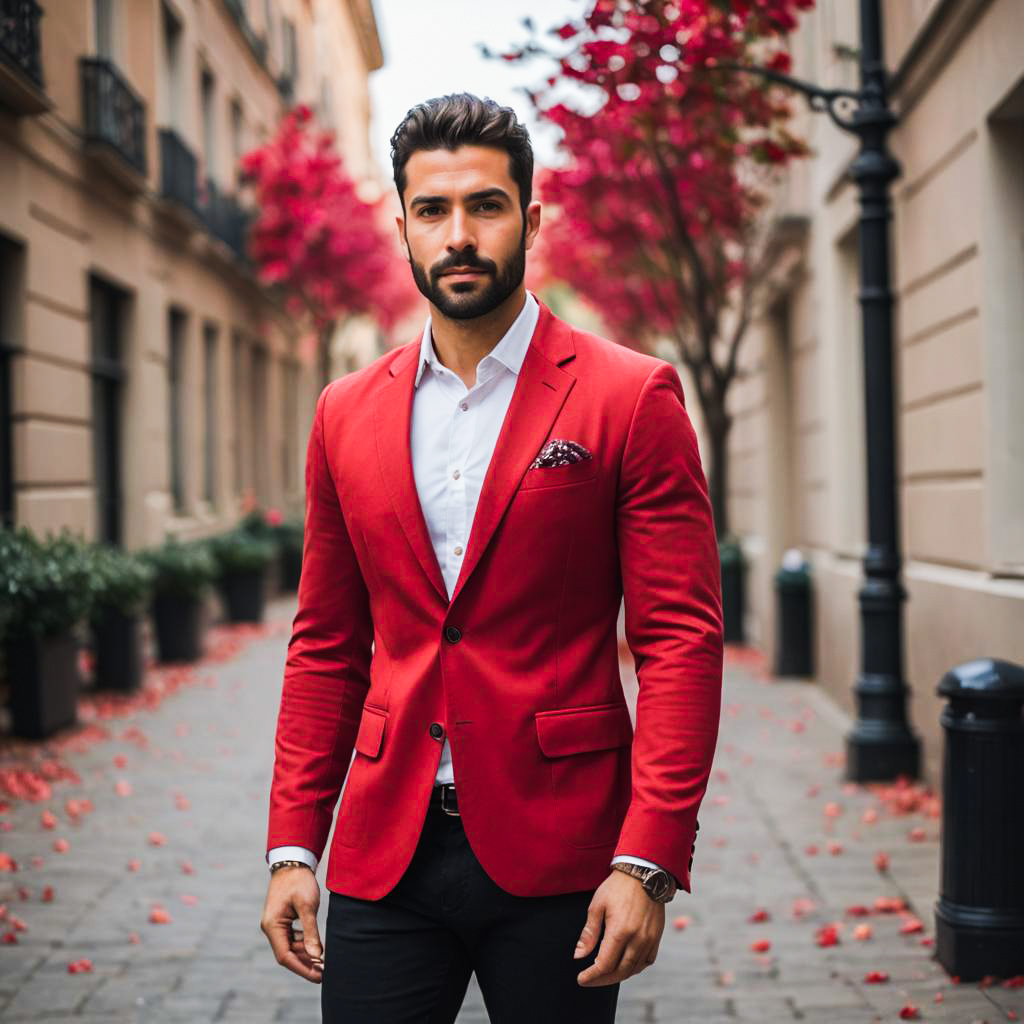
(798, 450)
(148, 384)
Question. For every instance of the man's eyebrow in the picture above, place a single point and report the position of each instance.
(484, 193)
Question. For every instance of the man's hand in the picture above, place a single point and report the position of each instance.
(294, 893)
(633, 924)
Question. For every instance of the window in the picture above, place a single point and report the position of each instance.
(177, 325)
(258, 423)
(1002, 303)
(238, 390)
(107, 318)
(11, 268)
(237, 135)
(290, 56)
(207, 90)
(170, 94)
(103, 27)
(289, 465)
(211, 433)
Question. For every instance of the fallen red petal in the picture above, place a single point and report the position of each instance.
(909, 1012)
(876, 977)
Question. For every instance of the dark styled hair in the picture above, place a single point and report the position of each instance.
(462, 119)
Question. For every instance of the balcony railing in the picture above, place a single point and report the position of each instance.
(225, 219)
(257, 43)
(19, 37)
(178, 171)
(21, 65)
(115, 115)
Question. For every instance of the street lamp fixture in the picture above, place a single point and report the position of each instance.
(881, 745)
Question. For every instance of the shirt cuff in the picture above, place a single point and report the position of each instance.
(637, 860)
(291, 853)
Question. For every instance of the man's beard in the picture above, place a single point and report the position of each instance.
(479, 298)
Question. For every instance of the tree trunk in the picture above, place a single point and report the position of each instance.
(718, 472)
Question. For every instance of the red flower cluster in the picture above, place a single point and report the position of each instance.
(315, 237)
(659, 177)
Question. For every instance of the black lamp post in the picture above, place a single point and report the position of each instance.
(881, 744)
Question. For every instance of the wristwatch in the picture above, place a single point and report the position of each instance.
(288, 864)
(658, 884)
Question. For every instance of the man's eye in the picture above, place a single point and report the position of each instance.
(491, 203)
(424, 210)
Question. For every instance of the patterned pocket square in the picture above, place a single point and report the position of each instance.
(559, 453)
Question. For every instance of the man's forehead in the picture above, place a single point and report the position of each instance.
(465, 168)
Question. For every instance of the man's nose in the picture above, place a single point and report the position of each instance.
(460, 231)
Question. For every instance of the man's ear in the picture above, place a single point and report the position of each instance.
(400, 224)
(532, 223)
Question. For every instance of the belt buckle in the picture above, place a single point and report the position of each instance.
(445, 790)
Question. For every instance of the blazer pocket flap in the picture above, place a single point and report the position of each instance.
(578, 730)
(371, 731)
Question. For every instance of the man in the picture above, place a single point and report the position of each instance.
(479, 502)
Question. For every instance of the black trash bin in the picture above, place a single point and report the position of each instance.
(979, 918)
(794, 629)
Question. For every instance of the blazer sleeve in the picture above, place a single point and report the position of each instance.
(327, 669)
(671, 582)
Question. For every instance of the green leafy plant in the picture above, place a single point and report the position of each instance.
(120, 581)
(288, 535)
(44, 583)
(240, 551)
(181, 569)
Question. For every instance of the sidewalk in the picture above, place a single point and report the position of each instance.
(168, 819)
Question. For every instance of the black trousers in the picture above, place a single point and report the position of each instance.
(408, 958)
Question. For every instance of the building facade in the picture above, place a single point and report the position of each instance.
(797, 446)
(148, 384)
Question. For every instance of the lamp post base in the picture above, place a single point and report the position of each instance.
(881, 752)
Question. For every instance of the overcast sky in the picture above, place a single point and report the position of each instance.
(430, 49)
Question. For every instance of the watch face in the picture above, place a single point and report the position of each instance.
(657, 885)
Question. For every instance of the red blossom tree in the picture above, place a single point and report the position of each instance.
(315, 239)
(658, 210)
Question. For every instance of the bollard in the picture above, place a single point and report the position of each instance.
(979, 918)
(733, 565)
(793, 630)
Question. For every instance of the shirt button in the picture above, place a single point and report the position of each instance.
(463, 407)
(458, 551)
(452, 634)
(437, 730)
(456, 475)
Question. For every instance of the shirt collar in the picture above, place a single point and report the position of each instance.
(510, 351)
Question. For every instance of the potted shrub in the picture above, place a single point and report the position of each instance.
(242, 559)
(45, 584)
(289, 545)
(181, 583)
(122, 585)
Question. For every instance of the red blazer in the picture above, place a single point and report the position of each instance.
(521, 666)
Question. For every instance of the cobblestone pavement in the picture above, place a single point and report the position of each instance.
(177, 822)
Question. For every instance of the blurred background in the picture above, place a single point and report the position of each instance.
(197, 234)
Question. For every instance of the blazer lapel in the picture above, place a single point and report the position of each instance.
(540, 392)
(392, 416)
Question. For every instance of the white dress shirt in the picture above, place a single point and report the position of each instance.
(452, 436)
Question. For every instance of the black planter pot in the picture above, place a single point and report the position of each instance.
(244, 593)
(179, 627)
(119, 662)
(45, 682)
(733, 604)
(291, 568)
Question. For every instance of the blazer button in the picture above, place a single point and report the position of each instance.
(437, 730)
(452, 634)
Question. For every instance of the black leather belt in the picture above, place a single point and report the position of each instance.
(445, 798)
